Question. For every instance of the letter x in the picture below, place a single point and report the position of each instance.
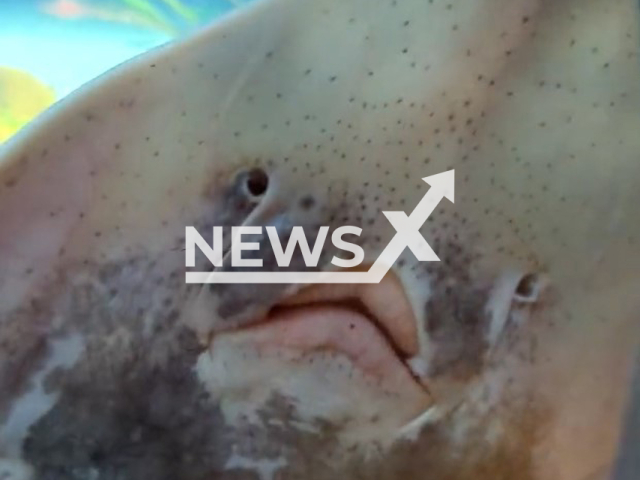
(408, 231)
(408, 227)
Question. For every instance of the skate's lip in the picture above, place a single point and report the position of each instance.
(383, 306)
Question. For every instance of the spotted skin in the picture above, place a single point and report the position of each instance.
(346, 105)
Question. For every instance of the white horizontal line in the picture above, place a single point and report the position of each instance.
(283, 277)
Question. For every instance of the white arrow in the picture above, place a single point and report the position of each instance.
(442, 186)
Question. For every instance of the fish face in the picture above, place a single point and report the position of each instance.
(507, 358)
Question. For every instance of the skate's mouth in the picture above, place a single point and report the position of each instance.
(338, 339)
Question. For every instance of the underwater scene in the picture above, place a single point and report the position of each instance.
(319, 240)
(49, 48)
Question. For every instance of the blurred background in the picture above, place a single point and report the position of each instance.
(48, 48)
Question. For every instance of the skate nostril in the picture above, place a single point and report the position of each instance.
(257, 182)
(529, 288)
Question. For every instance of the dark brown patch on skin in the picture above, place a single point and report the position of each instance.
(126, 416)
(131, 407)
(90, 299)
(456, 316)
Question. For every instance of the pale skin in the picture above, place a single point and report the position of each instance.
(509, 359)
